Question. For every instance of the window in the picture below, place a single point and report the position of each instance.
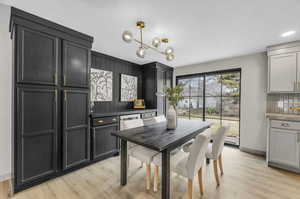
(213, 97)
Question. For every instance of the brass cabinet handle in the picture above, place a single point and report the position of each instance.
(65, 95)
(100, 121)
(114, 119)
(285, 125)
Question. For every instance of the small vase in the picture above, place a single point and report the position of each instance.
(171, 118)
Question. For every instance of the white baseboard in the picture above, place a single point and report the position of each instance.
(5, 176)
(253, 151)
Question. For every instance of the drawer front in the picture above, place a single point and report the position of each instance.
(104, 120)
(148, 115)
(285, 124)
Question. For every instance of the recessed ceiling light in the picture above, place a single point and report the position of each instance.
(288, 33)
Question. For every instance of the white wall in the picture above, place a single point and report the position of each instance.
(253, 94)
(5, 94)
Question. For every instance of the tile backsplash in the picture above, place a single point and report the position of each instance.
(282, 103)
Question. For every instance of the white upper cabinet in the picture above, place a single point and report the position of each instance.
(283, 73)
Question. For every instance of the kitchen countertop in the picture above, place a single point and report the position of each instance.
(127, 112)
(282, 116)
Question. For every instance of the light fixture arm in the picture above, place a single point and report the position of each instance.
(146, 46)
(128, 37)
(141, 32)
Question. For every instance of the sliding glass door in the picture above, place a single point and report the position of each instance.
(213, 97)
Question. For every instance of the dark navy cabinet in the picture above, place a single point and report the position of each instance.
(76, 61)
(76, 132)
(51, 99)
(36, 133)
(104, 144)
(156, 77)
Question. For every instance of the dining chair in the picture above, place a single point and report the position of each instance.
(189, 165)
(214, 150)
(186, 146)
(129, 124)
(141, 153)
(160, 118)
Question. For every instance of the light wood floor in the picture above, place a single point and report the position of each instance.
(245, 177)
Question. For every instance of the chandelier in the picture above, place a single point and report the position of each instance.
(156, 43)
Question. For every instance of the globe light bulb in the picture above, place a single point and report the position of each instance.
(170, 57)
(141, 52)
(169, 50)
(127, 36)
(156, 42)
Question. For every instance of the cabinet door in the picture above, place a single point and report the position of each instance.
(37, 61)
(36, 133)
(76, 134)
(160, 78)
(283, 73)
(284, 147)
(76, 64)
(103, 142)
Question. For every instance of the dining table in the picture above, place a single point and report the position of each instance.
(161, 139)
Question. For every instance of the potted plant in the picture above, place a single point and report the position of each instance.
(174, 95)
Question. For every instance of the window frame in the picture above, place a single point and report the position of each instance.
(204, 96)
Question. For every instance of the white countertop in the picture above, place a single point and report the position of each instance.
(282, 116)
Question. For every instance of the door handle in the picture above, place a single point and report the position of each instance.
(298, 137)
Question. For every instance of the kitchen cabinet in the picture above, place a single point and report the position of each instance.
(283, 73)
(51, 115)
(284, 68)
(38, 57)
(76, 65)
(284, 147)
(37, 133)
(104, 144)
(156, 77)
(76, 132)
(284, 144)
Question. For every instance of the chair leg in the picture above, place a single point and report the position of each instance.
(221, 164)
(155, 188)
(216, 172)
(200, 178)
(4, 189)
(148, 176)
(190, 188)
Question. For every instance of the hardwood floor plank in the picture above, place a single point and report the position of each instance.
(245, 176)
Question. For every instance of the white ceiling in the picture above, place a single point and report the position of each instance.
(199, 30)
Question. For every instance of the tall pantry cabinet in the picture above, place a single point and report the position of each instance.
(51, 99)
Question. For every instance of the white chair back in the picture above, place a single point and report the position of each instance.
(218, 141)
(197, 155)
(129, 124)
(160, 118)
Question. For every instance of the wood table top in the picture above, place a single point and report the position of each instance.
(159, 138)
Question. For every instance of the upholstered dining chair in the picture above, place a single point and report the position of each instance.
(214, 150)
(186, 146)
(141, 153)
(189, 165)
(160, 118)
